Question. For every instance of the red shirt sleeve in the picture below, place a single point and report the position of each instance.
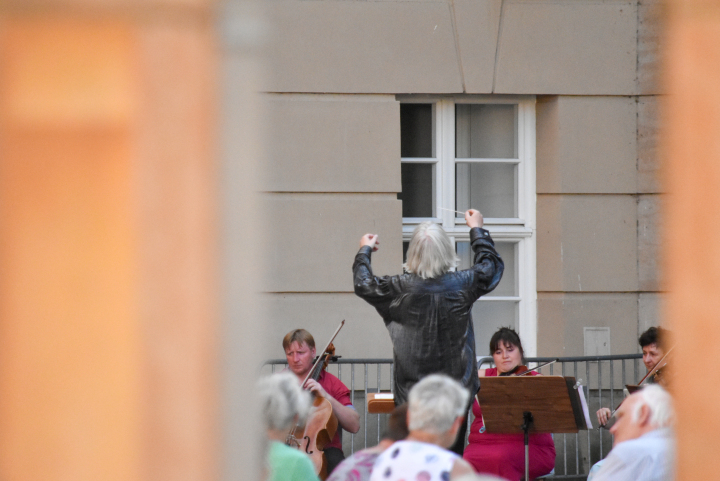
(335, 388)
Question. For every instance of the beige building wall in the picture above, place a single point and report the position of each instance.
(334, 166)
(335, 176)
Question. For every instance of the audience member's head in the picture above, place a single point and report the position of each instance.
(283, 401)
(436, 406)
(397, 428)
(645, 410)
(430, 252)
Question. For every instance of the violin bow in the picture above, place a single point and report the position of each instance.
(537, 367)
(320, 358)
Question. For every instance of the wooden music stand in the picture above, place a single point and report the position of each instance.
(379, 403)
(537, 404)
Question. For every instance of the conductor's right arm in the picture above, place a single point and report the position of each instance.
(375, 290)
(370, 240)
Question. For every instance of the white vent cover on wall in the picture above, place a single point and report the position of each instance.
(596, 341)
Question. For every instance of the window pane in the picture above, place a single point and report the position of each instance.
(488, 187)
(486, 131)
(488, 317)
(508, 252)
(417, 189)
(416, 132)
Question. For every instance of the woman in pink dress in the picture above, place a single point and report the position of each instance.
(504, 454)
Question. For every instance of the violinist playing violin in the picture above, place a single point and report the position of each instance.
(504, 454)
(299, 346)
(653, 343)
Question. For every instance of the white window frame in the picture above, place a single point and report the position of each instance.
(520, 230)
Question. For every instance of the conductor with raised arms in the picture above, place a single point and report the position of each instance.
(427, 310)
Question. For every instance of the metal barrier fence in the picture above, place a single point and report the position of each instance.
(603, 379)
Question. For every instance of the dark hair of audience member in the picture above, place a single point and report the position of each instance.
(397, 428)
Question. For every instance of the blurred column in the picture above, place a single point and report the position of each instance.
(692, 248)
(244, 33)
(109, 256)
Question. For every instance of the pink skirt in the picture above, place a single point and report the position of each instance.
(504, 455)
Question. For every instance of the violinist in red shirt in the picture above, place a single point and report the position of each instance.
(504, 454)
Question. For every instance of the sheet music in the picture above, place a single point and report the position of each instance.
(383, 395)
(584, 405)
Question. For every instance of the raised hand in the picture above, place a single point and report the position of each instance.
(370, 240)
(474, 218)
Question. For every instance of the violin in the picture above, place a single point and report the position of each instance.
(522, 370)
(515, 371)
(322, 424)
(654, 373)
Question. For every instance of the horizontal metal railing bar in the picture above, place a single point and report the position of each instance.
(339, 361)
(613, 357)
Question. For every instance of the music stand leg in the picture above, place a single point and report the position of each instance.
(527, 421)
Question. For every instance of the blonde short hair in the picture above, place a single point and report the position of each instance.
(430, 253)
(301, 336)
(435, 403)
(281, 399)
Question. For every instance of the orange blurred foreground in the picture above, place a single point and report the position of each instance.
(692, 249)
(108, 258)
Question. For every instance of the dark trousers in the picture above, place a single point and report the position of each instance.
(334, 456)
(459, 446)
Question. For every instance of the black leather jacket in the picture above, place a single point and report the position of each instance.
(429, 320)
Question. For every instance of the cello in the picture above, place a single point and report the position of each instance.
(321, 424)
